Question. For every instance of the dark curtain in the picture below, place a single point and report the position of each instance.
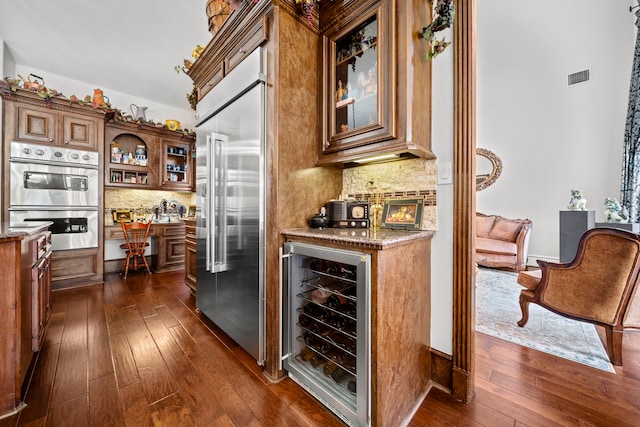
(630, 187)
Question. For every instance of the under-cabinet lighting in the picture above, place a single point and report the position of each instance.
(377, 158)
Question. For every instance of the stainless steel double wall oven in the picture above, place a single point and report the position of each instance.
(56, 184)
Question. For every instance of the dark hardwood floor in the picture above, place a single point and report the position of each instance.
(135, 353)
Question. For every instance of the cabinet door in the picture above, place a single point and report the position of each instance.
(173, 252)
(36, 125)
(190, 256)
(80, 132)
(177, 166)
(74, 267)
(41, 294)
(359, 81)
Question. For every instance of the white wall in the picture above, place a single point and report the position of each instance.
(552, 137)
(442, 243)
(8, 69)
(8, 65)
(157, 112)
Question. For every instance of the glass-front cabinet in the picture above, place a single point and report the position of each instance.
(359, 83)
(376, 81)
(356, 72)
(177, 164)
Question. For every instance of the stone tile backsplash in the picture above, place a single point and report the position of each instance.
(404, 179)
(136, 199)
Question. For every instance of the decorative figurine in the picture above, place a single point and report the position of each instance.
(341, 93)
(615, 212)
(577, 202)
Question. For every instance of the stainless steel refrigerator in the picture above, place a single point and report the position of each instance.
(230, 207)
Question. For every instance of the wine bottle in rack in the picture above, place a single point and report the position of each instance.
(304, 320)
(330, 368)
(334, 300)
(350, 291)
(351, 385)
(347, 272)
(310, 356)
(319, 329)
(338, 321)
(315, 311)
(314, 265)
(342, 341)
(350, 327)
(349, 308)
(339, 375)
(310, 339)
(332, 268)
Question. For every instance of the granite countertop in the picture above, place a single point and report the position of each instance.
(376, 239)
(12, 229)
(153, 223)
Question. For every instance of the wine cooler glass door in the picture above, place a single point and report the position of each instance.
(326, 327)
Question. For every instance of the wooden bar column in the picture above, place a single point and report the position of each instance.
(464, 194)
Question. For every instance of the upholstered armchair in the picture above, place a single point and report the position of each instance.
(598, 286)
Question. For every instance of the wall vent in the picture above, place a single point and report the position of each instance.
(579, 77)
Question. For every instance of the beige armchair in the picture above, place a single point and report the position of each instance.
(598, 286)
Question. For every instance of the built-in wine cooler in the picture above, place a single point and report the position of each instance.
(326, 327)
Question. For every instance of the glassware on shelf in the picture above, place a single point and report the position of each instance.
(356, 77)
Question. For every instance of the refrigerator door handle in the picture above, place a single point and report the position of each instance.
(206, 206)
(218, 228)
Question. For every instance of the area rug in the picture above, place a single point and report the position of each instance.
(498, 311)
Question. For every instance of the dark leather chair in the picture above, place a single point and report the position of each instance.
(135, 235)
(598, 286)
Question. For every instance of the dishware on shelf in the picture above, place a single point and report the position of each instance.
(138, 112)
(172, 124)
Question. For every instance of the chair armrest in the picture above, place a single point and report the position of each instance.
(522, 243)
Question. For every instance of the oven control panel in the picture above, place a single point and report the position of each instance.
(22, 151)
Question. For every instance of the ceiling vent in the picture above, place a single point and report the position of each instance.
(579, 77)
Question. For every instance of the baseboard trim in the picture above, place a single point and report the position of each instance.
(532, 260)
(441, 370)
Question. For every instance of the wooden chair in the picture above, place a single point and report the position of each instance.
(136, 235)
(598, 286)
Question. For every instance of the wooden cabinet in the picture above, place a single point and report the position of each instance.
(171, 248)
(176, 164)
(25, 303)
(41, 287)
(147, 157)
(58, 122)
(78, 267)
(212, 68)
(375, 86)
(48, 126)
(190, 254)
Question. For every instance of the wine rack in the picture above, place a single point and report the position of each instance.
(327, 327)
(327, 320)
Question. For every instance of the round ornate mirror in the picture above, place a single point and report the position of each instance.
(488, 168)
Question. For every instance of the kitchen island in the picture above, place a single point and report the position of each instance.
(25, 302)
